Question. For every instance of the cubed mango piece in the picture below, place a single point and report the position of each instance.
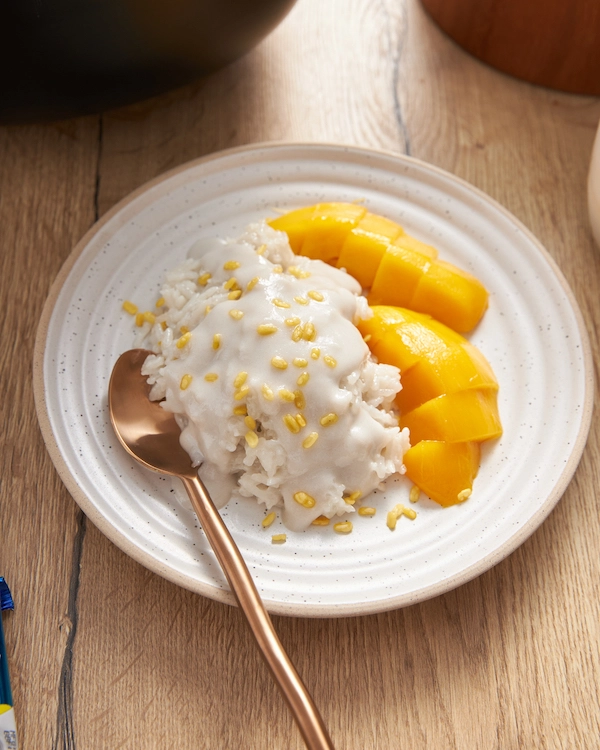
(451, 295)
(328, 229)
(385, 318)
(407, 278)
(443, 471)
(429, 378)
(410, 243)
(294, 224)
(456, 417)
(319, 231)
(365, 245)
(387, 338)
(400, 270)
(397, 277)
(432, 358)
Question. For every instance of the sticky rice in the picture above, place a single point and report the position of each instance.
(276, 393)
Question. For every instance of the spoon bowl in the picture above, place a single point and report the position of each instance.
(146, 430)
(150, 434)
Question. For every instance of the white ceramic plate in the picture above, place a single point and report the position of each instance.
(532, 334)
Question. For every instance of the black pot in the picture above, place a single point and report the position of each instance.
(64, 58)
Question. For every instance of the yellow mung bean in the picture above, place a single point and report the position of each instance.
(352, 497)
(290, 422)
(183, 340)
(328, 419)
(240, 379)
(267, 392)
(303, 498)
(299, 273)
(366, 511)
(251, 438)
(343, 527)
(310, 440)
(242, 393)
(279, 363)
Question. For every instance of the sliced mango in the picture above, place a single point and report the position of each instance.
(428, 380)
(386, 318)
(398, 276)
(443, 471)
(408, 278)
(329, 227)
(432, 358)
(365, 245)
(451, 295)
(294, 224)
(410, 243)
(456, 417)
(319, 231)
(399, 269)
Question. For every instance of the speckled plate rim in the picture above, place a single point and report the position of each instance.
(303, 609)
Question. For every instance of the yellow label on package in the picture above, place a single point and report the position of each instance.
(8, 729)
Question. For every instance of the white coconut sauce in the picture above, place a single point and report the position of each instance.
(317, 426)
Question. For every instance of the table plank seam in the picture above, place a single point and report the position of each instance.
(65, 732)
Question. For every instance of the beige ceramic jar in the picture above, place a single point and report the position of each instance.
(594, 189)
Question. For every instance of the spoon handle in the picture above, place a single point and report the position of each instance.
(295, 693)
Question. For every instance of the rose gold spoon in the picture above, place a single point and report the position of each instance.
(151, 435)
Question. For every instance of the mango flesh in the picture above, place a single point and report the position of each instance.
(365, 245)
(433, 359)
(294, 224)
(448, 400)
(410, 243)
(400, 270)
(398, 275)
(443, 471)
(319, 231)
(451, 295)
(408, 278)
(449, 396)
(455, 417)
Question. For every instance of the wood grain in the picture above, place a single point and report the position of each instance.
(47, 186)
(105, 654)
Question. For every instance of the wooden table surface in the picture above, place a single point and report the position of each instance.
(105, 654)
